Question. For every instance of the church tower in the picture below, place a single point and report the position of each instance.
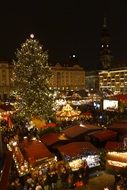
(105, 49)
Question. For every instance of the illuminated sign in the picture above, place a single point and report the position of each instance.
(110, 105)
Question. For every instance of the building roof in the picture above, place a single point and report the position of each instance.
(76, 148)
(50, 138)
(114, 146)
(77, 130)
(104, 135)
(35, 151)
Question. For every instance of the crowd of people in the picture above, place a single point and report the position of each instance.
(50, 177)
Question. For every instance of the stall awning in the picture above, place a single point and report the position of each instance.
(35, 151)
(50, 138)
(104, 135)
(77, 130)
(114, 146)
(76, 148)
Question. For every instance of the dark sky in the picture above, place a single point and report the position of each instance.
(64, 27)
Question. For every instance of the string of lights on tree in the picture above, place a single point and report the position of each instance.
(31, 80)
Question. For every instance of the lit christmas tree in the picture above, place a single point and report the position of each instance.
(31, 81)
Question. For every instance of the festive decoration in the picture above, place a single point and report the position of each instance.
(67, 113)
(31, 81)
(39, 123)
(117, 159)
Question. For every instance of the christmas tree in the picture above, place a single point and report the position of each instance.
(31, 81)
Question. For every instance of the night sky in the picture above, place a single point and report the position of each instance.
(64, 27)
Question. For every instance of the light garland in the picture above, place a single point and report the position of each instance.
(91, 158)
(118, 159)
(22, 167)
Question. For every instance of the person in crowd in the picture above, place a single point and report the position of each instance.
(70, 181)
(12, 186)
(64, 177)
(38, 187)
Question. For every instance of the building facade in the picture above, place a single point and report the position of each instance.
(92, 80)
(63, 78)
(114, 80)
(67, 77)
(5, 78)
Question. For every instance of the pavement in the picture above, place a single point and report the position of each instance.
(100, 181)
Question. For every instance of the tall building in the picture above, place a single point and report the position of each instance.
(67, 77)
(105, 47)
(111, 77)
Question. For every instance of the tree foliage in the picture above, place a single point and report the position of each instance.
(31, 80)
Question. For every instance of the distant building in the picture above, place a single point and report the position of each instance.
(63, 78)
(105, 56)
(105, 59)
(67, 77)
(112, 77)
(92, 80)
(114, 80)
(5, 78)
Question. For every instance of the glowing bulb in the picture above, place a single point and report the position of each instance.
(32, 36)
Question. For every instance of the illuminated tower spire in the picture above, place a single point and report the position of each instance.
(105, 51)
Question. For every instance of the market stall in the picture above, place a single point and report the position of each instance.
(78, 130)
(116, 160)
(5, 112)
(116, 156)
(20, 163)
(83, 152)
(35, 151)
(114, 146)
(104, 135)
(120, 127)
(29, 154)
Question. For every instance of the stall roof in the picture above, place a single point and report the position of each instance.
(35, 151)
(75, 148)
(50, 138)
(77, 130)
(114, 145)
(104, 135)
(119, 125)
